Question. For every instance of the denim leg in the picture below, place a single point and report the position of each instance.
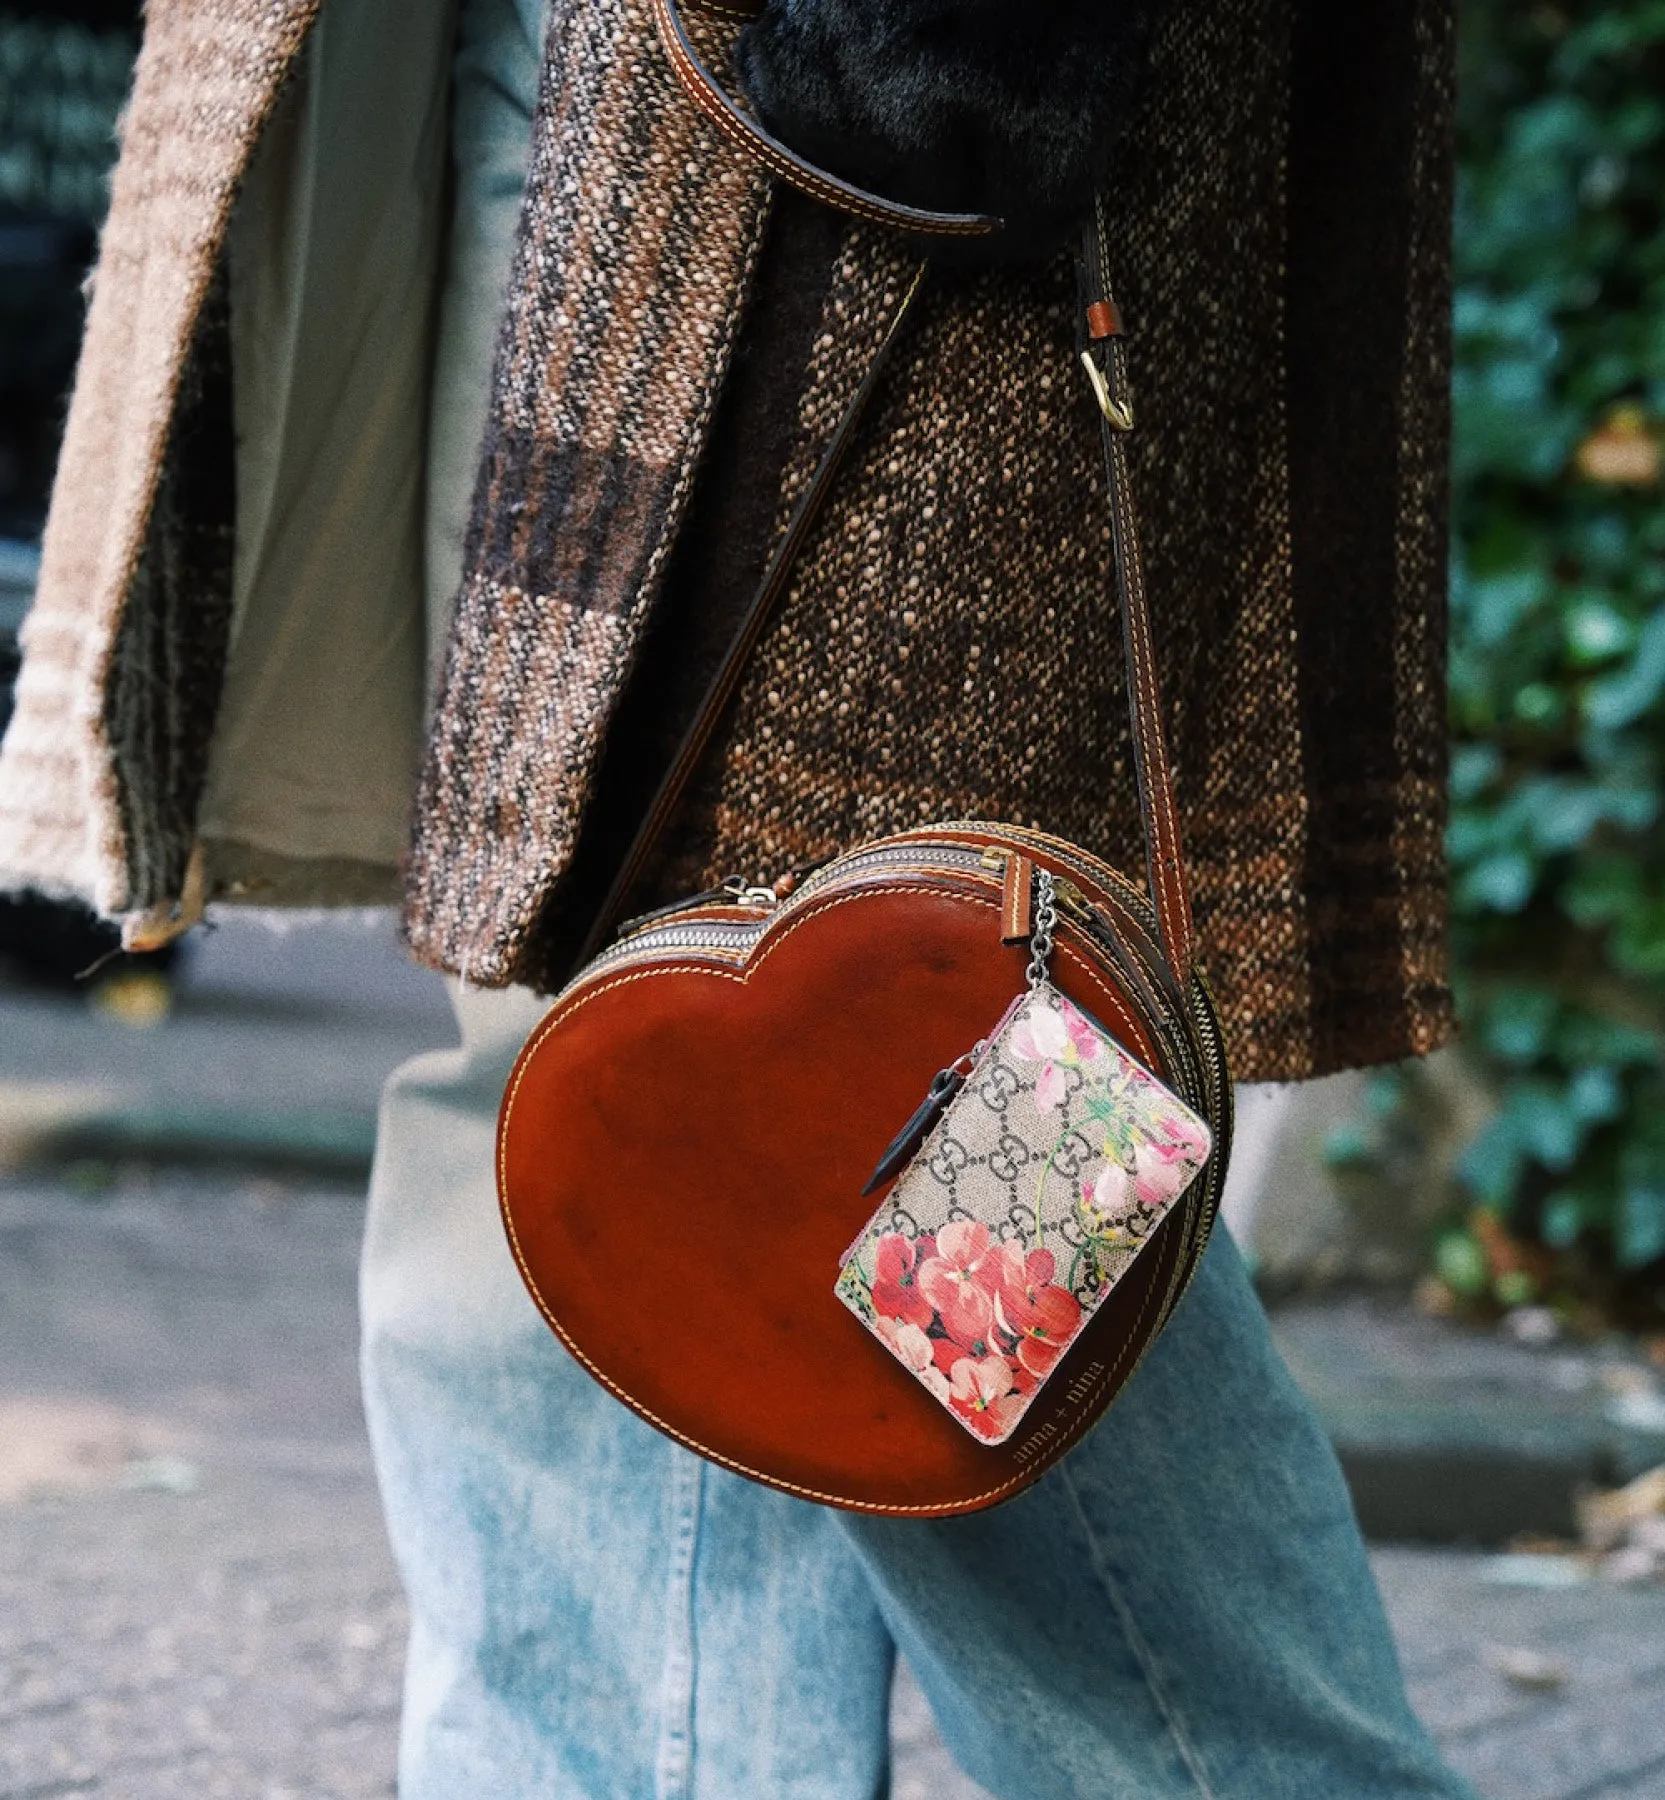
(596, 1614)
(1183, 1607)
(792, 1697)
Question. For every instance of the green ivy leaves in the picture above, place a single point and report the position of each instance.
(1558, 619)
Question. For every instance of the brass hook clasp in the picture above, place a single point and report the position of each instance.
(1118, 412)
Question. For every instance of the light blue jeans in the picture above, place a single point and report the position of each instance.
(1182, 1608)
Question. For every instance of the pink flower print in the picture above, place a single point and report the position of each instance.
(1036, 1359)
(1106, 1202)
(1050, 1088)
(1042, 1036)
(959, 1282)
(1058, 1038)
(968, 1246)
(1159, 1172)
(915, 1352)
(1188, 1138)
(896, 1292)
(1020, 1268)
(1085, 1041)
(1031, 1308)
(1006, 1263)
(966, 1310)
(983, 1392)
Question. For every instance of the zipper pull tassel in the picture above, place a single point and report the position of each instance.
(947, 1084)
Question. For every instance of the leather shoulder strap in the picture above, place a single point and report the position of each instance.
(1103, 350)
(737, 124)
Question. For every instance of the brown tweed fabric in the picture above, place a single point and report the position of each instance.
(103, 759)
(947, 648)
(636, 245)
(950, 648)
(722, 549)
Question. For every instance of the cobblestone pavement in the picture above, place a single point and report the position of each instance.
(196, 1597)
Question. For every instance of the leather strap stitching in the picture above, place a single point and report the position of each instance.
(1153, 770)
(820, 184)
(1150, 745)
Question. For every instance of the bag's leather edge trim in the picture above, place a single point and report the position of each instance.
(1086, 1415)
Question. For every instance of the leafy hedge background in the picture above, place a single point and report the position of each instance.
(1558, 657)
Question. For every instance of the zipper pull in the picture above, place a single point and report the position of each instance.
(734, 891)
(947, 1084)
(1071, 900)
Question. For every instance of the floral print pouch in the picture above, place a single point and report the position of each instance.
(1027, 1201)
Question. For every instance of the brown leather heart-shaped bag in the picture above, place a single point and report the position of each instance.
(685, 1138)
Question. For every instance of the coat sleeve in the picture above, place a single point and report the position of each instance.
(1011, 107)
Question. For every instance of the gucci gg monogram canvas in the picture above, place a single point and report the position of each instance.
(1022, 1209)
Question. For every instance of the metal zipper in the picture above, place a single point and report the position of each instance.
(734, 890)
(958, 856)
(651, 932)
(717, 934)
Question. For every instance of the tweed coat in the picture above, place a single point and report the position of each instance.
(676, 345)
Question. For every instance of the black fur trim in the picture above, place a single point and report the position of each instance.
(1010, 107)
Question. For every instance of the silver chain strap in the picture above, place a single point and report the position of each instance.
(1046, 921)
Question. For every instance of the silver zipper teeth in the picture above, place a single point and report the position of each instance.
(655, 938)
(671, 936)
(960, 856)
